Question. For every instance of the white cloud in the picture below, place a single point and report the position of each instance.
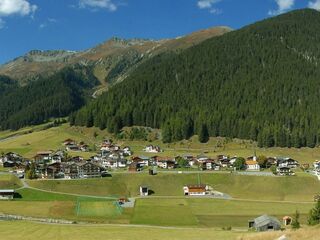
(48, 22)
(215, 11)
(283, 5)
(20, 7)
(209, 5)
(205, 4)
(15, 7)
(95, 4)
(314, 4)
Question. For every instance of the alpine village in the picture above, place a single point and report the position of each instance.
(211, 135)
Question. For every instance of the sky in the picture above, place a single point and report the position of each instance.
(81, 24)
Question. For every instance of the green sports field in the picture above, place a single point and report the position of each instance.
(98, 209)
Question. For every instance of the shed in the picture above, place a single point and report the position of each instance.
(144, 191)
(265, 223)
(6, 194)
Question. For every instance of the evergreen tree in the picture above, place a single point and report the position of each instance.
(203, 134)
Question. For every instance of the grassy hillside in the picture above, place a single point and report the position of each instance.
(9, 182)
(300, 188)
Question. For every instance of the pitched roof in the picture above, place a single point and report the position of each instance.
(265, 219)
(251, 162)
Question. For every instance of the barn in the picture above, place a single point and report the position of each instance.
(6, 194)
(265, 223)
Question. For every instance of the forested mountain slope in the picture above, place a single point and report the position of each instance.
(55, 96)
(261, 82)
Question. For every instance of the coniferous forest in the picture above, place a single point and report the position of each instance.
(261, 82)
(56, 96)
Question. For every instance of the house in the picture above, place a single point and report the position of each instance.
(73, 148)
(8, 164)
(195, 190)
(224, 162)
(142, 160)
(69, 142)
(163, 162)
(287, 162)
(89, 170)
(152, 149)
(285, 171)
(265, 223)
(144, 191)
(43, 157)
(208, 165)
(202, 158)
(6, 194)
(127, 151)
(252, 165)
(84, 148)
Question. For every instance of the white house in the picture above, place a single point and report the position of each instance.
(195, 190)
(252, 165)
(152, 149)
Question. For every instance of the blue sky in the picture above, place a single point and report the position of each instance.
(81, 24)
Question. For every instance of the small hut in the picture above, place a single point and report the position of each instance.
(144, 191)
(287, 220)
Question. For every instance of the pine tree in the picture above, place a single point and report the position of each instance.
(314, 214)
(203, 134)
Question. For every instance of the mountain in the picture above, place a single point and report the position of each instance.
(55, 96)
(47, 84)
(261, 82)
(111, 61)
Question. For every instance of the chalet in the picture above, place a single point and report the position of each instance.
(252, 165)
(224, 162)
(195, 190)
(10, 160)
(89, 170)
(233, 160)
(69, 142)
(8, 164)
(127, 151)
(285, 171)
(152, 149)
(55, 170)
(202, 158)
(209, 165)
(6, 194)
(84, 148)
(113, 163)
(43, 157)
(287, 162)
(142, 160)
(265, 223)
(163, 162)
(73, 148)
